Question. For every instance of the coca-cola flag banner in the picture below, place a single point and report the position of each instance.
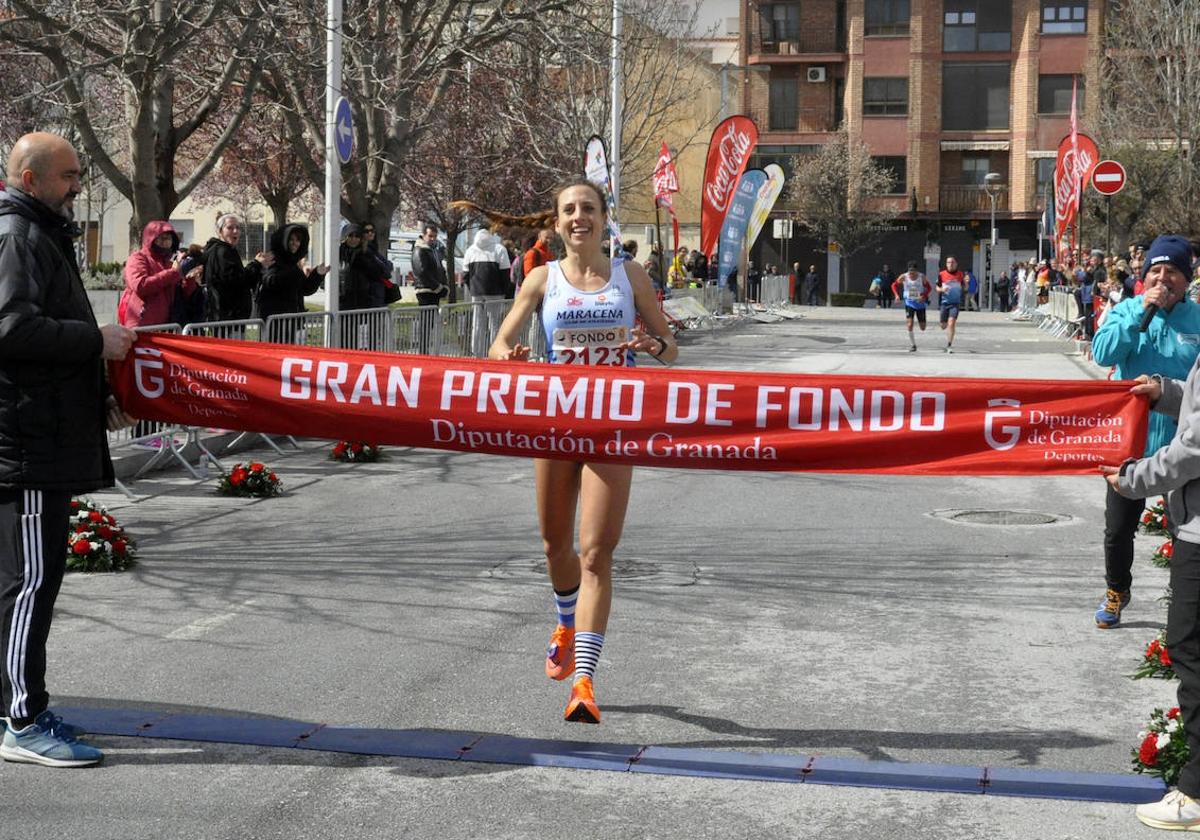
(1072, 171)
(674, 417)
(767, 196)
(595, 168)
(666, 184)
(666, 180)
(737, 220)
(728, 153)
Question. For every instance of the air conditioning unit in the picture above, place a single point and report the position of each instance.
(816, 74)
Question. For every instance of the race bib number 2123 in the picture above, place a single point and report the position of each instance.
(591, 346)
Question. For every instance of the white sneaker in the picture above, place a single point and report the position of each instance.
(1175, 812)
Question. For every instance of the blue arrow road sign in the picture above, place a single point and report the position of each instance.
(343, 131)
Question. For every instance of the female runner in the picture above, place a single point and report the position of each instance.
(613, 293)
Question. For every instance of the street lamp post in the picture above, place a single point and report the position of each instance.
(992, 184)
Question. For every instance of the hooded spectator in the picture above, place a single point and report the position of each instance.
(487, 266)
(153, 279)
(286, 282)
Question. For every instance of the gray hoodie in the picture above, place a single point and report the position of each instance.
(1175, 468)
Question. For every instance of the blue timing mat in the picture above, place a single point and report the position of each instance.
(447, 745)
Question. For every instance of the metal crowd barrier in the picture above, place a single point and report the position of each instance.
(774, 292)
(301, 328)
(366, 329)
(1026, 306)
(457, 322)
(1062, 316)
(417, 328)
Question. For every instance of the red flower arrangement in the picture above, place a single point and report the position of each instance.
(1154, 521)
(1162, 554)
(1162, 749)
(354, 452)
(95, 542)
(254, 480)
(1156, 661)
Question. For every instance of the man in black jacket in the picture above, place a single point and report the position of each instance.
(54, 406)
(430, 280)
(428, 271)
(230, 285)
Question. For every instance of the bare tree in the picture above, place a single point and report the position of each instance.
(257, 166)
(1150, 116)
(470, 157)
(836, 194)
(137, 79)
(401, 57)
(561, 92)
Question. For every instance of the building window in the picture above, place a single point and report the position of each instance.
(1044, 175)
(783, 105)
(977, 26)
(780, 21)
(1058, 18)
(839, 102)
(885, 97)
(887, 17)
(1054, 94)
(974, 167)
(897, 167)
(975, 97)
(783, 155)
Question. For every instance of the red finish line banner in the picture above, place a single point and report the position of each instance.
(665, 418)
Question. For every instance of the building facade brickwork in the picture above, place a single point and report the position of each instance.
(988, 91)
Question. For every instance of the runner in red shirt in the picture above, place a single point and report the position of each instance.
(951, 286)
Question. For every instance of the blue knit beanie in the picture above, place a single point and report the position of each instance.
(1172, 249)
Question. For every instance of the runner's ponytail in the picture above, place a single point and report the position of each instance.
(497, 219)
(541, 220)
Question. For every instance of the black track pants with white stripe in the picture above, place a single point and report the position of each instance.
(33, 556)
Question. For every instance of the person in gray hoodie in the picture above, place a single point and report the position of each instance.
(1175, 470)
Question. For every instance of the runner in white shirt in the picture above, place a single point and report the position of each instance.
(590, 305)
(914, 289)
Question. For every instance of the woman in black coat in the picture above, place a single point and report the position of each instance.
(288, 280)
(229, 285)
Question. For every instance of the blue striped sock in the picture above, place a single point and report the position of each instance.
(564, 602)
(587, 653)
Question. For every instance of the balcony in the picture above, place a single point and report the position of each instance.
(814, 45)
(971, 198)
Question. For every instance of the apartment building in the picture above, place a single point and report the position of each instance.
(943, 92)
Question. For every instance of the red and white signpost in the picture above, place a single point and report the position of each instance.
(1108, 179)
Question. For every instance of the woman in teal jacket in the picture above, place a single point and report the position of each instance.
(1168, 346)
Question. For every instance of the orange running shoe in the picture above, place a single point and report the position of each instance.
(582, 708)
(560, 653)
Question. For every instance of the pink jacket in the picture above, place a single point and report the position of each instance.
(150, 281)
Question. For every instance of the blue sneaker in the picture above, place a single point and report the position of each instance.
(1109, 613)
(48, 747)
(52, 722)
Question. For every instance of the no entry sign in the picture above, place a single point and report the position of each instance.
(1108, 177)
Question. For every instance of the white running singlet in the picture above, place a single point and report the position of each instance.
(586, 328)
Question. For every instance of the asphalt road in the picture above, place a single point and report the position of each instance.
(771, 613)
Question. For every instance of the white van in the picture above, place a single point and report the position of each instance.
(401, 248)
